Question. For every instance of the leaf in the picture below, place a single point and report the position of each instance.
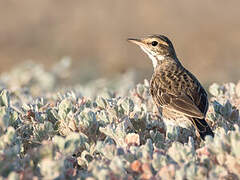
(64, 108)
(101, 102)
(127, 104)
(4, 98)
(214, 89)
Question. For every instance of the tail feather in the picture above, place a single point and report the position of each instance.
(202, 127)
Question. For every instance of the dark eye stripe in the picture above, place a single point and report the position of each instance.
(154, 43)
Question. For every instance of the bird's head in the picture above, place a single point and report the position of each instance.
(157, 47)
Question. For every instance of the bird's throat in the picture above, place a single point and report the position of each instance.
(154, 57)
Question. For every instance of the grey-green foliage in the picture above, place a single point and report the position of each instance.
(95, 132)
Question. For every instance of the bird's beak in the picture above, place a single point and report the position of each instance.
(135, 41)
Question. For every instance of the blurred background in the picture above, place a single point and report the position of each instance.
(206, 35)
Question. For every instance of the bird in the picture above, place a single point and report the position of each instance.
(174, 89)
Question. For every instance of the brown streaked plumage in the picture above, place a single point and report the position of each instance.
(173, 87)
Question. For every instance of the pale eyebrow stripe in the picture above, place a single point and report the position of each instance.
(163, 42)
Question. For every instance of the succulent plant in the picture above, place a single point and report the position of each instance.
(97, 132)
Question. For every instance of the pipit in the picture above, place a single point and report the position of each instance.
(174, 89)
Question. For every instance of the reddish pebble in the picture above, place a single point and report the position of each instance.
(136, 166)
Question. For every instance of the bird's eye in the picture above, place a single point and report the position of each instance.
(154, 43)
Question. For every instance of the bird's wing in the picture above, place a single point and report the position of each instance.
(181, 104)
(181, 100)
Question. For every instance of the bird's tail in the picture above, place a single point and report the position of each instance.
(202, 127)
